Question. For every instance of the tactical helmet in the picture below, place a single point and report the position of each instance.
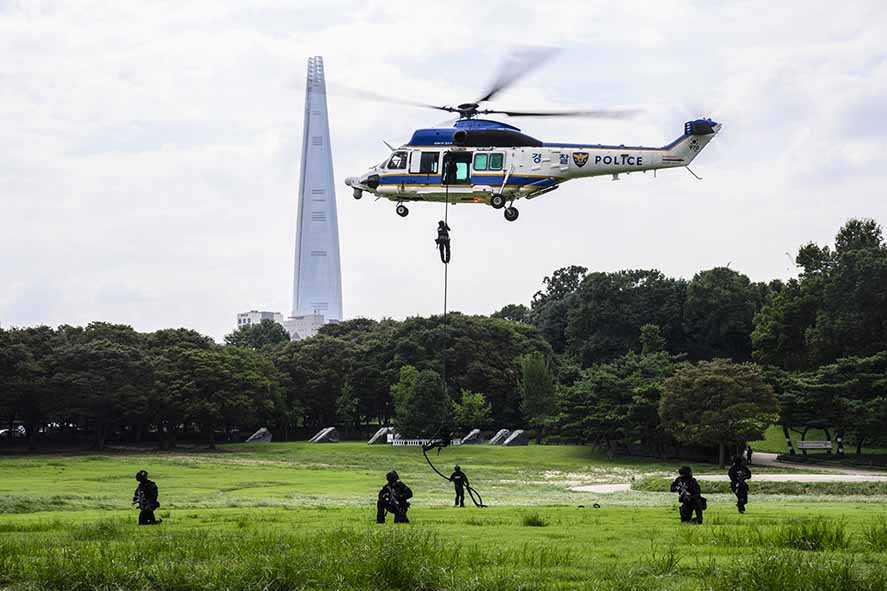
(141, 475)
(392, 477)
(737, 460)
(685, 471)
(441, 223)
(457, 468)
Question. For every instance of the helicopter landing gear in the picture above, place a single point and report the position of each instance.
(402, 210)
(497, 201)
(358, 193)
(511, 213)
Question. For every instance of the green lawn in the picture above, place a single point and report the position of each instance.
(300, 516)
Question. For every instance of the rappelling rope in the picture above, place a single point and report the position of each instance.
(472, 493)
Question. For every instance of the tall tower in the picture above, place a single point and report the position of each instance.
(317, 286)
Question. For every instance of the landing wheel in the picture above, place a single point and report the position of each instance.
(511, 214)
(402, 210)
(358, 193)
(497, 201)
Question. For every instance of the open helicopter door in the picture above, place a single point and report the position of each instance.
(456, 168)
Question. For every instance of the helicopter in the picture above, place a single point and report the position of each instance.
(483, 161)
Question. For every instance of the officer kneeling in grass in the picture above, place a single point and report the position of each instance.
(145, 497)
(393, 498)
(690, 495)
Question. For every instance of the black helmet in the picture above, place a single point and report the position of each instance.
(457, 468)
(141, 476)
(737, 460)
(441, 223)
(392, 477)
(685, 471)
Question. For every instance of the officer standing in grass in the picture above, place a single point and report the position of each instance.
(739, 474)
(145, 497)
(393, 498)
(460, 481)
(689, 494)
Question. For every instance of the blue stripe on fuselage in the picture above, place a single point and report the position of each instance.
(421, 179)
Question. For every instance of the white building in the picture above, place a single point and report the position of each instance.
(304, 326)
(256, 317)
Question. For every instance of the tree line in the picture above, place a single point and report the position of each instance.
(625, 360)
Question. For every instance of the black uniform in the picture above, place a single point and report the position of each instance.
(393, 498)
(145, 496)
(739, 474)
(443, 241)
(748, 453)
(460, 481)
(690, 496)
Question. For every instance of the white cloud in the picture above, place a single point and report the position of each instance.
(148, 172)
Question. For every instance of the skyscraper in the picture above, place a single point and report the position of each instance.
(317, 285)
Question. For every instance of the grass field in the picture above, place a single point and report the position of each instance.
(298, 516)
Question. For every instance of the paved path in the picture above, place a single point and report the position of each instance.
(833, 475)
(770, 460)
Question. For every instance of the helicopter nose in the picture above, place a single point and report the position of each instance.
(349, 181)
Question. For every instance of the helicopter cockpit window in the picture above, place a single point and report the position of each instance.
(481, 161)
(398, 161)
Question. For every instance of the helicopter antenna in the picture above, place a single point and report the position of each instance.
(390, 147)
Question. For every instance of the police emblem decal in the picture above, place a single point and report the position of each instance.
(580, 158)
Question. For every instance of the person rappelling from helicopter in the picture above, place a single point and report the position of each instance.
(443, 241)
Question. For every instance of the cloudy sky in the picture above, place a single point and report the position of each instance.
(149, 151)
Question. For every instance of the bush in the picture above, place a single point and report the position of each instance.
(533, 520)
(793, 571)
(875, 535)
(812, 534)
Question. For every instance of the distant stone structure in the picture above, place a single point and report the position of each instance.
(474, 437)
(263, 435)
(500, 437)
(517, 437)
(326, 435)
(381, 436)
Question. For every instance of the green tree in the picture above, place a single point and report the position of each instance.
(224, 388)
(550, 305)
(168, 403)
(615, 404)
(651, 339)
(718, 315)
(105, 382)
(537, 387)
(717, 403)
(265, 334)
(425, 409)
(314, 372)
(472, 411)
(513, 312)
(836, 308)
(347, 408)
(607, 312)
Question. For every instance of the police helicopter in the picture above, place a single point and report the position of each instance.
(479, 160)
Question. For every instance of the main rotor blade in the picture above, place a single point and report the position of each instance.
(591, 114)
(518, 64)
(342, 90)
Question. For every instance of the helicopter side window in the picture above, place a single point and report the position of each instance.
(481, 161)
(496, 161)
(398, 161)
(428, 162)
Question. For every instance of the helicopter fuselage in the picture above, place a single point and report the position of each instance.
(470, 164)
